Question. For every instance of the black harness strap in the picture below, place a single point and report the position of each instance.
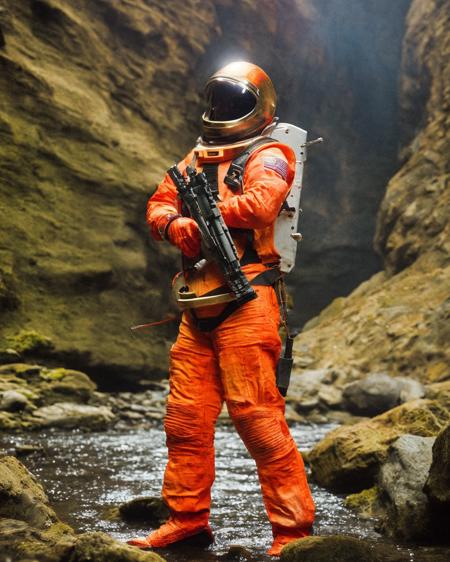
(211, 173)
(235, 173)
(266, 279)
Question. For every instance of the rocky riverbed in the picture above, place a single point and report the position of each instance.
(394, 466)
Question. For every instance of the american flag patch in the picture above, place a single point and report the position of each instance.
(277, 165)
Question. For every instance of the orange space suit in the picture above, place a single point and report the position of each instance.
(233, 361)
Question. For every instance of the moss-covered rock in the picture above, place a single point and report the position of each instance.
(349, 457)
(366, 503)
(102, 548)
(19, 541)
(30, 529)
(439, 390)
(28, 342)
(340, 548)
(438, 482)
(23, 497)
(152, 510)
(53, 398)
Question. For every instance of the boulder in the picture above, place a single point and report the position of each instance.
(23, 543)
(66, 383)
(372, 395)
(304, 389)
(20, 542)
(31, 531)
(340, 548)
(23, 497)
(317, 390)
(401, 480)
(69, 415)
(43, 386)
(349, 457)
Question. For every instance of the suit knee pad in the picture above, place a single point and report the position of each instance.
(184, 427)
(264, 433)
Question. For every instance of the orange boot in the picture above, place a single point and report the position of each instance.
(173, 532)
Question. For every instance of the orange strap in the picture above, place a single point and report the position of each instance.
(157, 323)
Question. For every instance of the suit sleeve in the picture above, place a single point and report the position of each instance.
(161, 207)
(164, 204)
(267, 180)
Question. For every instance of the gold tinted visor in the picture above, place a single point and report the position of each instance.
(227, 100)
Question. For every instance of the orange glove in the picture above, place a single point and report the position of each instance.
(184, 233)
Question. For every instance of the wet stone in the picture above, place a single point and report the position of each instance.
(151, 510)
(371, 396)
(237, 553)
(28, 449)
(13, 401)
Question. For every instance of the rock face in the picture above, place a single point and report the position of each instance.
(90, 112)
(397, 322)
(401, 480)
(99, 98)
(349, 458)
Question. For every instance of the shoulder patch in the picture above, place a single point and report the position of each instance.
(277, 165)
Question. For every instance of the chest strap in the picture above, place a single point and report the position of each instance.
(235, 174)
(266, 279)
(211, 172)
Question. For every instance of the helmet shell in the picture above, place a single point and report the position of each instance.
(241, 79)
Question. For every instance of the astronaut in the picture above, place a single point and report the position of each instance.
(222, 354)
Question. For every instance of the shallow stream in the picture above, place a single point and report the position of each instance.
(86, 473)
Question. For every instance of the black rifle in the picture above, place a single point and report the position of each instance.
(219, 246)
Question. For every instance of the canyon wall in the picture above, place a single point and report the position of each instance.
(97, 99)
(398, 321)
